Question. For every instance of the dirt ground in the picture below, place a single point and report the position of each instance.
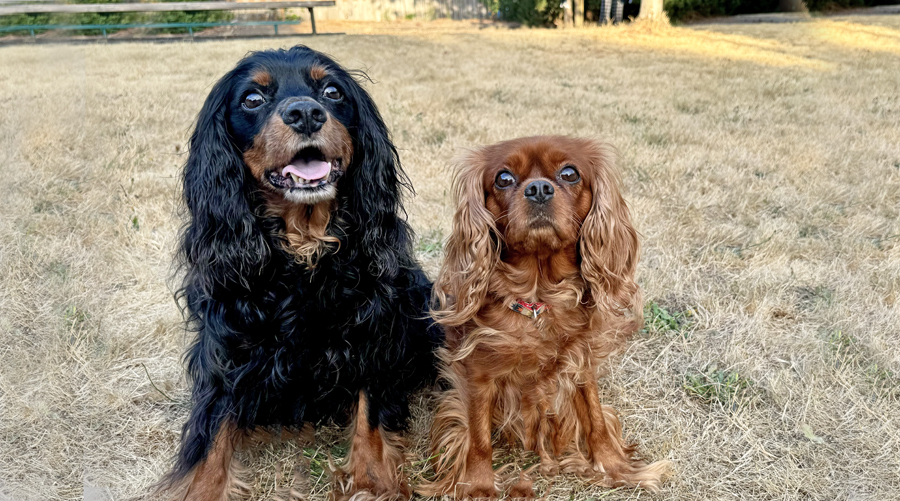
(761, 163)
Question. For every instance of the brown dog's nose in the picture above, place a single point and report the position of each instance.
(306, 117)
(539, 191)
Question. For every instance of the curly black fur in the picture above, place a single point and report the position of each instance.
(279, 343)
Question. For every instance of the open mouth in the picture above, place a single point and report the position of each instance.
(309, 170)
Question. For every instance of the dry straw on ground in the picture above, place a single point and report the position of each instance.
(762, 164)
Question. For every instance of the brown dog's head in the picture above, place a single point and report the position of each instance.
(538, 196)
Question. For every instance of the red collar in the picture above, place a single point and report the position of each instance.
(530, 310)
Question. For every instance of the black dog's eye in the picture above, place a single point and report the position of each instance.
(569, 174)
(332, 92)
(504, 179)
(253, 101)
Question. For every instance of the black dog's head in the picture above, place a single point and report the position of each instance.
(289, 113)
(289, 132)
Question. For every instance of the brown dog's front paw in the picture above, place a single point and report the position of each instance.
(469, 491)
(478, 483)
(522, 489)
(549, 469)
(365, 488)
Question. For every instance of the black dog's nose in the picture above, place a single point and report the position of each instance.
(304, 116)
(539, 191)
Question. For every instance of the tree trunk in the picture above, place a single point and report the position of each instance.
(791, 6)
(651, 9)
(578, 12)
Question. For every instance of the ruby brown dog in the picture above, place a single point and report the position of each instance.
(537, 289)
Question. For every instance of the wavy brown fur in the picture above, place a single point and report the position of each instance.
(535, 379)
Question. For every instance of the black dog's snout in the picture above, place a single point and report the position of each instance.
(304, 116)
(539, 191)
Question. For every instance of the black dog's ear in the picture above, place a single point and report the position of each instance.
(221, 244)
(378, 181)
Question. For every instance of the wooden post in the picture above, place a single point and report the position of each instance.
(578, 12)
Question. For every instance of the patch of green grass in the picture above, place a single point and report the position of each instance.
(690, 107)
(500, 96)
(435, 136)
(656, 139)
(45, 206)
(712, 385)
(884, 243)
(59, 270)
(810, 231)
(740, 250)
(846, 351)
(319, 458)
(430, 243)
(882, 379)
(659, 319)
(521, 458)
(632, 119)
(75, 317)
(841, 346)
(809, 296)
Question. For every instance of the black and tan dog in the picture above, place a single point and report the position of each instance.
(299, 277)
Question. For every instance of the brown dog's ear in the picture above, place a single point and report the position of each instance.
(472, 250)
(609, 244)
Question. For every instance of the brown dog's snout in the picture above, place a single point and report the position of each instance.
(305, 116)
(539, 192)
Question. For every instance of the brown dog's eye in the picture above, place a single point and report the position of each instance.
(569, 174)
(505, 179)
(331, 92)
(253, 101)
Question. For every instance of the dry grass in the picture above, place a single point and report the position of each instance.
(762, 164)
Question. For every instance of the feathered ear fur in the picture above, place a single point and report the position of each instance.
(375, 198)
(609, 244)
(222, 243)
(471, 252)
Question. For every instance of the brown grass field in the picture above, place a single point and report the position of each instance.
(761, 163)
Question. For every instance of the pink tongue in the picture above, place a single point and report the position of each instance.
(314, 169)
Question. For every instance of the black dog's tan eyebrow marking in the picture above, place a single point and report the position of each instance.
(317, 72)
(261, 77)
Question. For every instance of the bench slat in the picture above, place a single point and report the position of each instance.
(147, 26)
(6, 10)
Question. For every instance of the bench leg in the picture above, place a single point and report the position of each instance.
(312, 19)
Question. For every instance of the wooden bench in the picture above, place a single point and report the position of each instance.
(7, 10)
